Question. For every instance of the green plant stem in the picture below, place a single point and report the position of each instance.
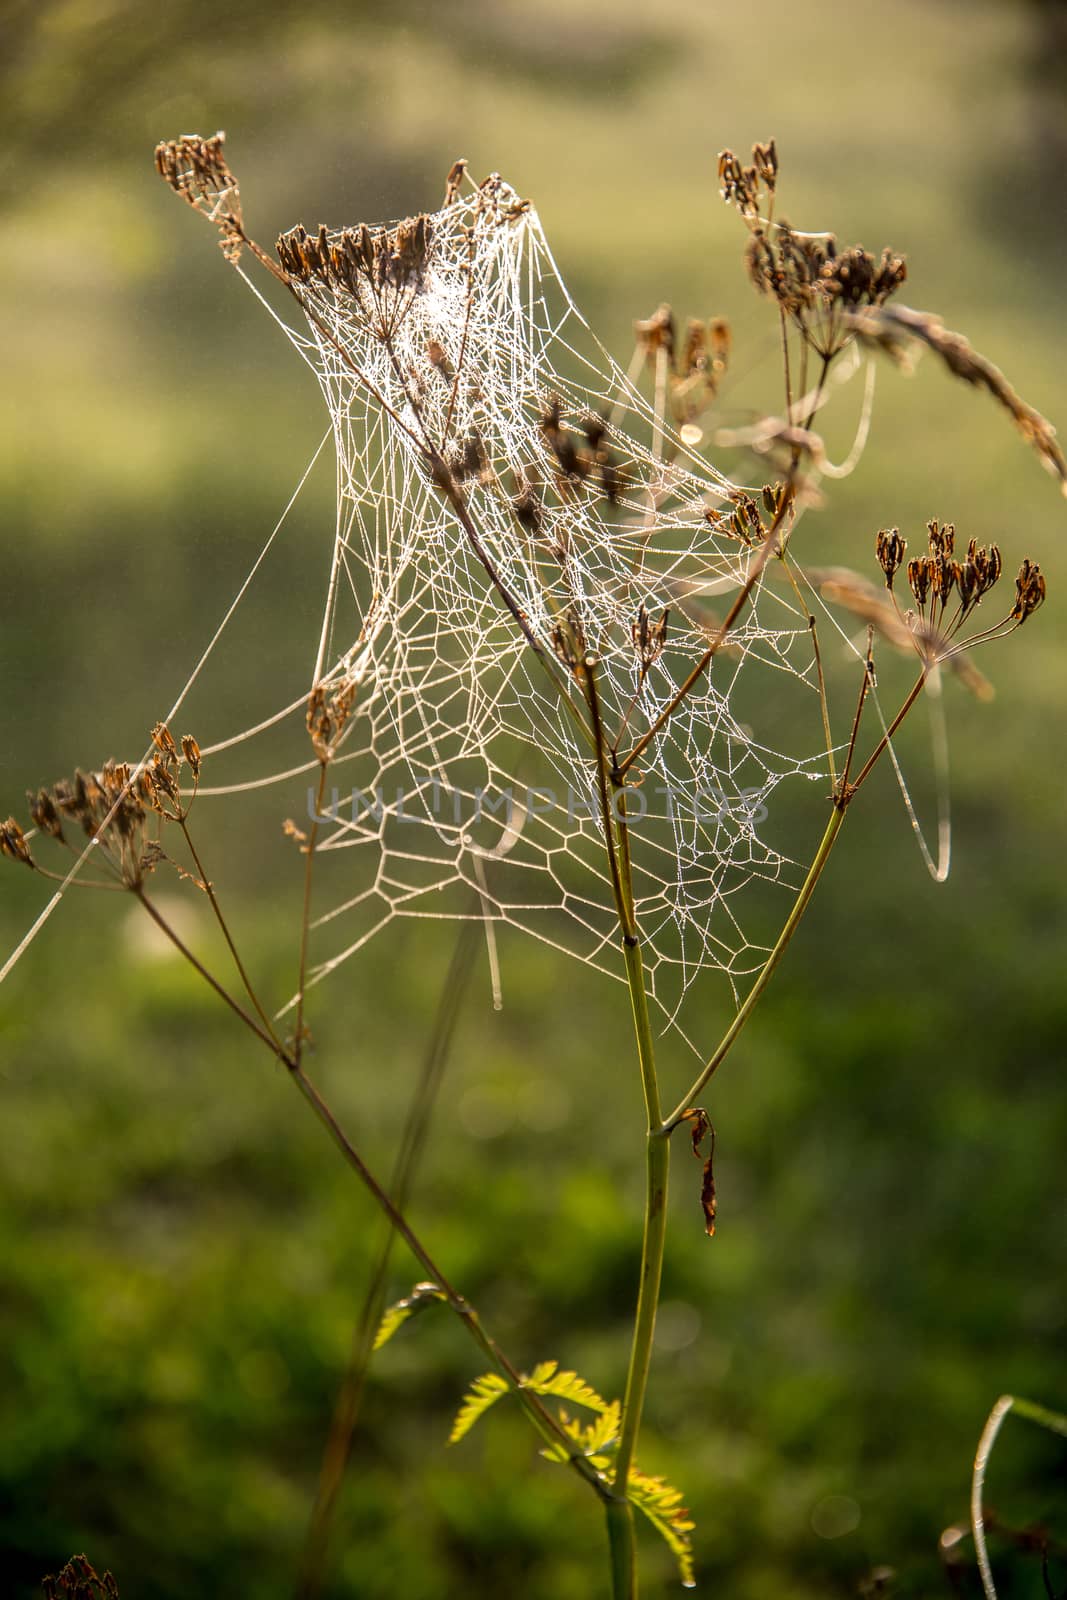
(622, 1549)
(800, 905)
(612, 792)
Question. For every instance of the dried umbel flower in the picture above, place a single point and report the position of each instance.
(648, 637)
(196, 169)
(579, 455)
(890, 548)
(817, 284)
(948, 591)
(657, 333)
(569, 642)
(741, 186)
(13, 843)
(115, 808)
(385, 258)
(328, 712)
(1029, 591)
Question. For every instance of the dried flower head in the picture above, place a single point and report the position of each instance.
(890, 548)
(569, 641)
(328, 711)
(196, 169)
(648, 637)
(947, 591)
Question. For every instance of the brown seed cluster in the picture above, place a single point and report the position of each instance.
(695, 365)
(947, 590)
(116, 806)
(569, 641)
(384, 258)
(196, 169)
(744, 187)
(328, 711)
(648, 637)
(816, 282)
(744, 520)
(812, 279)
(581, 456)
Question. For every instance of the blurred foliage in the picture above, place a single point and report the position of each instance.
(183, 1255)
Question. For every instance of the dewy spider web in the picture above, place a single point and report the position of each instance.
(473, 790)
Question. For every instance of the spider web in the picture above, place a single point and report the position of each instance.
(473, 791)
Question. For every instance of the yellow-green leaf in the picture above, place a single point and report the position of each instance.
(422, 1295)
(662, 1504)
(483, 1392)
(546, 1379)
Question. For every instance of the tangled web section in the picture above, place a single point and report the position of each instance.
(462, 785)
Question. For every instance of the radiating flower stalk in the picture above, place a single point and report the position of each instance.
(828, 297)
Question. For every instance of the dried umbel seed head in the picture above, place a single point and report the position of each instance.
(191, 752)
(657, 333)
(978, 573)
(815, 282)
(112, 808)
(44, 814)
(648, 637)
(765, 161)
(890, 548)
(527, 507)
(569, 642)
(13, 843)
(196, 169)
(344, 260)
(740, 186)
(1029, 591)
(561, 442)
(164, 742)
(919, 579)
(327, 716)
(942, 537)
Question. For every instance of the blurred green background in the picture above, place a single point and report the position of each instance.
(182, 1254)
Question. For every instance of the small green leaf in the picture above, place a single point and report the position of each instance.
(662, 1505)
(421, 1296)
(545, 1379)
(483, 1392)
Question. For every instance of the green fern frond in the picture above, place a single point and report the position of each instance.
(662, 1504)
(483, 1393)
(546, 1379)
(422, 1295)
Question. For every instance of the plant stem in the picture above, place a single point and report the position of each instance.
(800, 905)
